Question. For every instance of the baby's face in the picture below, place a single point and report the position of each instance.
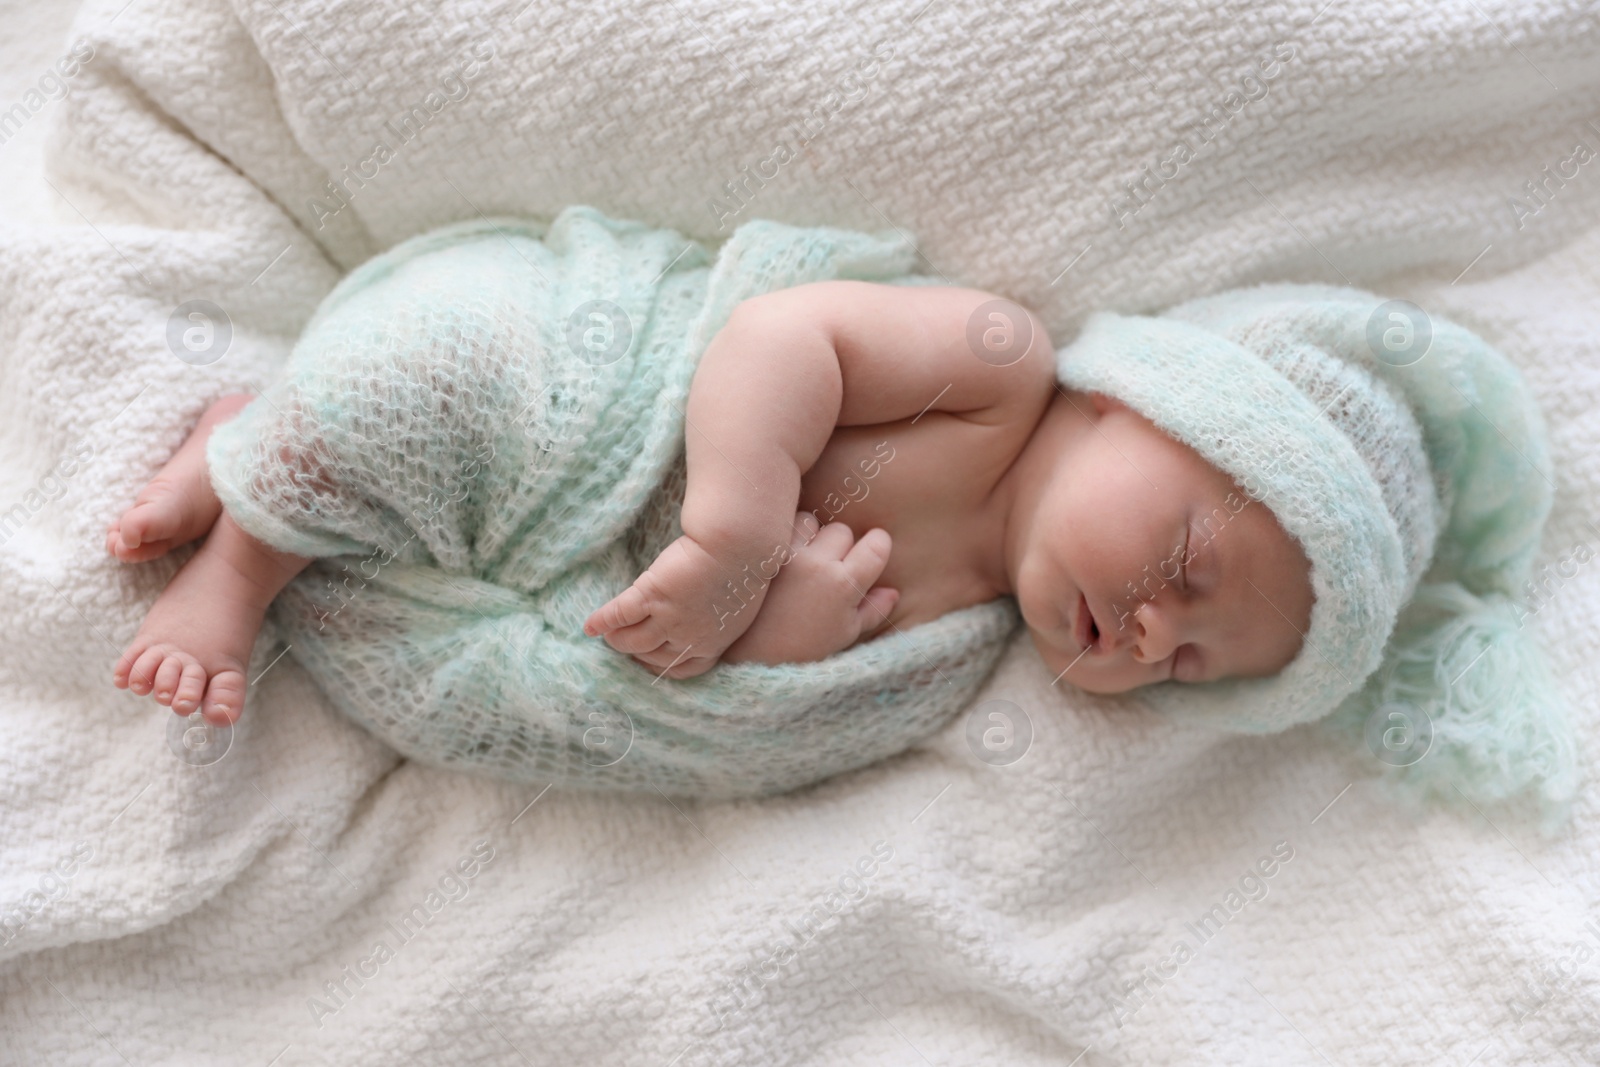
(1184, 575)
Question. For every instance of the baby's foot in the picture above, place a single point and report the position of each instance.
(178, 505)
(193, 648)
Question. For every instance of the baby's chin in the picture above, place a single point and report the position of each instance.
(1062, 659)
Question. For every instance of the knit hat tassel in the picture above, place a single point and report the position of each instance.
(1464, 706)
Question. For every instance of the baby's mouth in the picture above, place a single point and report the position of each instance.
(1084, 627)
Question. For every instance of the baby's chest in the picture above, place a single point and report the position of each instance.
(892, 474)
(924, 482)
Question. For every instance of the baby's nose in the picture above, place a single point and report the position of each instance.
(1151, 632)
(1127, 632)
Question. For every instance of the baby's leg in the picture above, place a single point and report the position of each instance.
(178, 505)
(194, 646)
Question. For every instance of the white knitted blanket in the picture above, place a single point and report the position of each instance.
(1130, 891)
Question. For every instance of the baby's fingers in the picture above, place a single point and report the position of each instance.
(624, 609)
(678, 666)
(873, 611)
(867, 558)
(641, 638)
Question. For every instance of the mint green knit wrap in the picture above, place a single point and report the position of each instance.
(480, 454)
(1418, 489)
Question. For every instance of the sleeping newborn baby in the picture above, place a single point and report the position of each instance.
(969, 479)
(523, 487)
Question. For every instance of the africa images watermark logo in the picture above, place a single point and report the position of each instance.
(400, 130)
(737, 193)
(1539, 192)
(53, 84)
(450, 888)
(1251, 888)
(797, 941)
(1197, 133)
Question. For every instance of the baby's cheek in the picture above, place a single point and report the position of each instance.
(1037, 612)
(1046, 652)
(1031, 616)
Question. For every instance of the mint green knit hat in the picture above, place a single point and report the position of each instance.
(1408, 459)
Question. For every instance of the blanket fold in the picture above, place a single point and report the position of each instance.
(480, 437)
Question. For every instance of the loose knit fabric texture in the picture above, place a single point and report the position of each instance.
(1418, 487)
(480, 437)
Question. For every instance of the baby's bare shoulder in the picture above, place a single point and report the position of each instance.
(908, 349)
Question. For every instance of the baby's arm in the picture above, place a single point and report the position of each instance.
(788, 368)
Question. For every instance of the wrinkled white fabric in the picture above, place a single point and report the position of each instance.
(996, 914)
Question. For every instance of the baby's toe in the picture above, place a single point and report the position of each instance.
(124, 664)
(117, 544)
(142, 676)
(224, 698)
(168, 676)
(191, 688)
(147, 530)
(148, 520)
(146, 552)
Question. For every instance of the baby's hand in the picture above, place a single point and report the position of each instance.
(820, 603)
(674, 618)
